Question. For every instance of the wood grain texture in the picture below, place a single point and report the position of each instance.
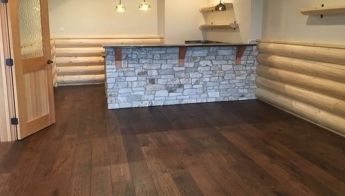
(322, 101)
(8, 132)
(82, 42)
(334, 10)
(314, 114)
(77, 53)
(313, 68)
(232, 26)
(307, 80)
(239, 53)
(71, 80)
(81, 70)
(311, 83)
(5, 131)
(298, 51)
(230, 148)
(32, 85)
(181, 55)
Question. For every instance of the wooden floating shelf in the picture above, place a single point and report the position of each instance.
(212, 9)
(213, 26)
(324, 11)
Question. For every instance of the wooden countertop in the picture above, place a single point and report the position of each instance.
(176, 45)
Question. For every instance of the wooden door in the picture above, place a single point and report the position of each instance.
(8, 132)
(33, 68)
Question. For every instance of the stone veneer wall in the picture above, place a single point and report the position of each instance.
(152, 76)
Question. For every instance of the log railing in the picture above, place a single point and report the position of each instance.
(80, 61)
(307, 80)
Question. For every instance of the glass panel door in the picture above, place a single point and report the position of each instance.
(34, 78)
(30, 27)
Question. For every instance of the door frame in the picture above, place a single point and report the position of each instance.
(19, 96)
(8, 132)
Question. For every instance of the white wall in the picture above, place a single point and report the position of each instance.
(182, 20)
(176, 20)
(248, 14)
(283, 21)
(257, 11)
(91, 18)
(161, 17)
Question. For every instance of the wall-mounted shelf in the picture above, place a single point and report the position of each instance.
(324, 10)
(212, 9)
(233, 26)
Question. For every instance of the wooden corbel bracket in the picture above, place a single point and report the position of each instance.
(118, 57)
(182, 55)
(239, 54)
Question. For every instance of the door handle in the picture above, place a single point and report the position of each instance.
(50, 62)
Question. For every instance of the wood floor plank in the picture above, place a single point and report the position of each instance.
(142, 179)
(264, 161)
(186, 184)
(165, 184)
(81, 174)
(315, 176)
(101, 181)
(227, 148)
(325, 150)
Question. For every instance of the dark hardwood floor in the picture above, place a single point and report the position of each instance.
(234, 148)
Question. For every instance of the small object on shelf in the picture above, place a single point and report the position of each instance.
(220, 7)
(233, 26)
(323, 10)
(213, 8)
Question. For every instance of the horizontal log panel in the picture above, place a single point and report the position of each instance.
(69, 43)
(313, 68)
(323, 118)
(323, 86)
(324, 102)
(81, 70)
(327, 55)
(79, 61)
(300, 43)
(80, 80)
(52, 52)
(108, 39)
(79, 52)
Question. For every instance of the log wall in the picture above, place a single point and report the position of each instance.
(307, 80)
(80, 61)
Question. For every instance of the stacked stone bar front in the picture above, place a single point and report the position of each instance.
(152, 76)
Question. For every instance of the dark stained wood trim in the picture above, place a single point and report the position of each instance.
(118, 58)
(182, 55)
(239, 53)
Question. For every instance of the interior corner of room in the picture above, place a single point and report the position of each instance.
(189, 91)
